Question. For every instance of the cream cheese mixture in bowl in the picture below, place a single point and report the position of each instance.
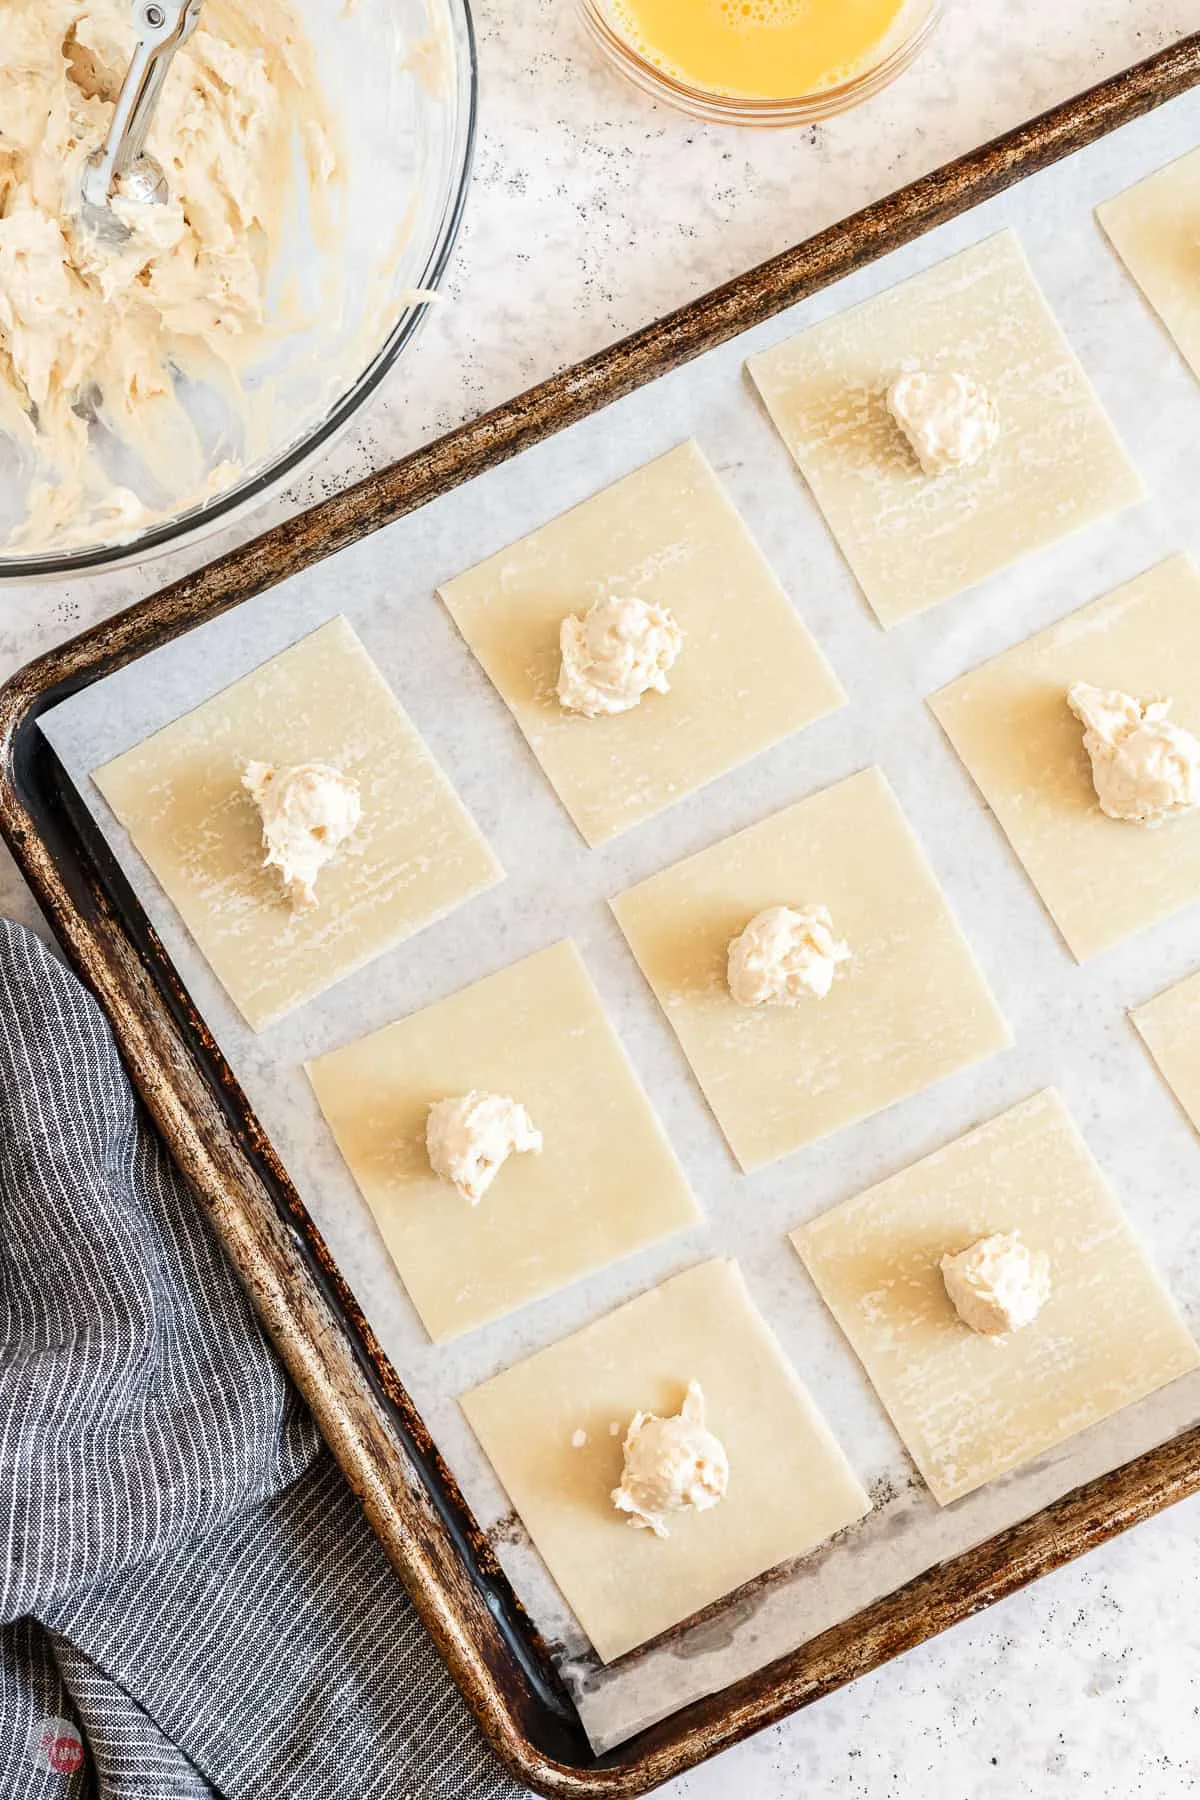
(317, 154)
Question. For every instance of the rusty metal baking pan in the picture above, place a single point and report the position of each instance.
(359, 1399)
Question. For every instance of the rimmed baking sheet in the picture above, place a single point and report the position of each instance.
(1070, 1023)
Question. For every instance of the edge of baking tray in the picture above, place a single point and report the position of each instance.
(409, 1497)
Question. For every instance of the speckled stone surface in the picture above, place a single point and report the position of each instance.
(592, 212)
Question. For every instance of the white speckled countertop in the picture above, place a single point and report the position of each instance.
(592, 212)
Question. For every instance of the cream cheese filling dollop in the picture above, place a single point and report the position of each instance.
(948, 418)
(671, 1466)
(307, 811)
(469, 1138)
(93, 335)
(785, 955)
(998, 1284)
(1145, 768)
(619, 650)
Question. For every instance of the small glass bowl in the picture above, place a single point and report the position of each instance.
(742, 109)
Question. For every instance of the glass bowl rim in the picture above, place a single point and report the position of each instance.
(743, 109)
(43, 565)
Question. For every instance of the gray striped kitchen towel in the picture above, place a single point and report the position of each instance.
(190, 1601)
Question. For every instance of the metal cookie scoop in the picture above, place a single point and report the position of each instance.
(121, 167)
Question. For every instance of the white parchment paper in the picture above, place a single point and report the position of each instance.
(1070, 1023)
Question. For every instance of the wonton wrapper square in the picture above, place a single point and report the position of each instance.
(1100, 879)
(748, 675)
(970, 1408)
(790, 1487)
(416, 855)
(912, 539)
(1154, 227)
(606, 1183)
(911, 1007)
(1169, 1026)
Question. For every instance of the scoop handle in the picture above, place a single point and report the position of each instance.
(162, 27)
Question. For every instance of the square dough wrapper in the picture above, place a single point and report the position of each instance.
(666, 534)
(971, 1408)
(911, 1007)
(606, 1183)
(913, 540)
(1169, 1026)
(790, 1487)
(1153, 228)
(416, 855)
(1100, 879)
(179, 794)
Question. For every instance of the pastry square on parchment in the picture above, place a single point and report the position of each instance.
(747, 676)
(1169, 1026)
(970, 1408)
(416, 855)
(1153, 228)
(911, 539)
(911, 1007)
(1100, 879)
(605, 1184)
(790, 1487)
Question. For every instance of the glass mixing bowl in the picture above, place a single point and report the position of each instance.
(400, 80)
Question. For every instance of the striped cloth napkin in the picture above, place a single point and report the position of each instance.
(190, 1601)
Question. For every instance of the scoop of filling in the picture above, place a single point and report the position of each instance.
(997, 1285)
(672, 1465)
(469, 1138)
(1144, 767)
(307, 811)
(785, 955)
(619, 650)
(949, 420)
